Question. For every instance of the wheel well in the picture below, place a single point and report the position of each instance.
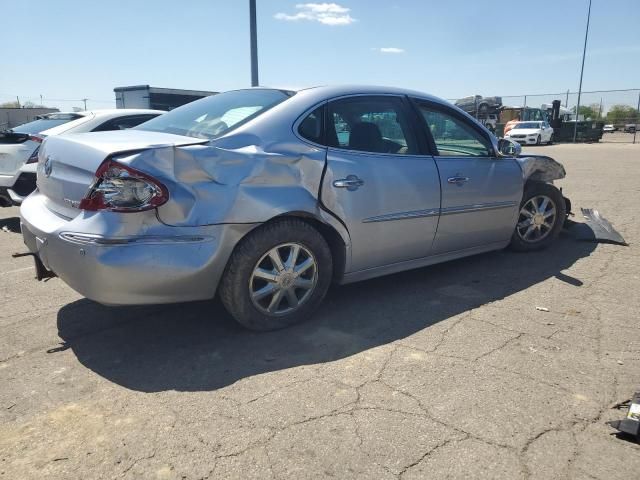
(330, 235)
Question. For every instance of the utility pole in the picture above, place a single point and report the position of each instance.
(635, 130)
(85, 103)
(584, 53)
(566, 100)
(18, 100)
(254, 43)
(41, 101)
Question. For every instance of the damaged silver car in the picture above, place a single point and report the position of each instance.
(268, 196)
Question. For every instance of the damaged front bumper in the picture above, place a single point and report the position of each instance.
(161, 264)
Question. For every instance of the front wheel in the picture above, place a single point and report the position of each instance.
(542, 214)
(539, 140)
(550, 140)
(277, 275)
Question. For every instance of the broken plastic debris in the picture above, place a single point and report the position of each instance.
(631, 423)
(620, 362)
(542, 309)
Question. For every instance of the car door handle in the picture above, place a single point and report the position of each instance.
(458, 180)
(350, 183)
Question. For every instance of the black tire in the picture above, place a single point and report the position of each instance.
(235, 287)
(539, 140)
(531, 191)
(550, 140)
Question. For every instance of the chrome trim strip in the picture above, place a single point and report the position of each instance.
(403, 215)
(478, 207)
(98, 240)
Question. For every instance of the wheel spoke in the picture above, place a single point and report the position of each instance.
(529, 231)
(304, 266)
(293, 257)
(526, 212)
(303, 283)
(543, 206)
(292, 298)
(275, 301)
(525, 223)
(549, 213)
(265, 275)
(547, 225)
(268, 289)
(274, 255)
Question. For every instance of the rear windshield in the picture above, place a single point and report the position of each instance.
(52, 120)
(528, 125)
(213, 116)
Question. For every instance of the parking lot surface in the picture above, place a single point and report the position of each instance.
(502, 365)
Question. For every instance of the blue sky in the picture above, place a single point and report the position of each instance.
(70, 49)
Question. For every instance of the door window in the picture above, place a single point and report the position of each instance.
(453, 136)
(370, 124)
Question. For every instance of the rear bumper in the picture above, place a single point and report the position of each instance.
(161, 265)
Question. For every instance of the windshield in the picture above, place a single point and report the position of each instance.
(52, 120)
(212, 116)
(528, 125)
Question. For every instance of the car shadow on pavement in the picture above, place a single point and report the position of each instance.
(10, 224)
(198, 346)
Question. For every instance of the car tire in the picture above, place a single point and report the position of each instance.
(535, 228)
(243, 287)
(539, 140)
(550, 140)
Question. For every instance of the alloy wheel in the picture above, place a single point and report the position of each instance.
(283, 279)
(537, 218)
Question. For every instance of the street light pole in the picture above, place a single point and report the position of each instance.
(584, 53)
(254, 43)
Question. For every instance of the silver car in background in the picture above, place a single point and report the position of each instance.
(268, 196)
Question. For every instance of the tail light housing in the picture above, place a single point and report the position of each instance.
(34, 156)
(120, 188)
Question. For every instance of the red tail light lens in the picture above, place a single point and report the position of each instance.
(34, 156)
(119, 188)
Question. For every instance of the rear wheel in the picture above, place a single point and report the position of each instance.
(277, 275)
(542, 214)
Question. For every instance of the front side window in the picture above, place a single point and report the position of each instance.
(453, 136)
(370, 124)
(213, 116)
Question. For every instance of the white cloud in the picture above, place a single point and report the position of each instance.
(389, 50)
(325, 13)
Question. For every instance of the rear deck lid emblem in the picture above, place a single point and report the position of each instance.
(48, 166)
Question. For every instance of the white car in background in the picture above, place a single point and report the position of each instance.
(531, 133)
(19, 146)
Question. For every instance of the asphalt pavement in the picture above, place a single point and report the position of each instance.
(501, 365)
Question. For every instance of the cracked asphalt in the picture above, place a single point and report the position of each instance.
(443, 372)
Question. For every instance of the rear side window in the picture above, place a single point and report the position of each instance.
(49, 121)
(122, 123)
(213, 116)
(370, 124)
(311, 127)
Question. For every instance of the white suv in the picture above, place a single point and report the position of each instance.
(19, 146)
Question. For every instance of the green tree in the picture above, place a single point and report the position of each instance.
(621, 114)
(589, 112)
(13, 104)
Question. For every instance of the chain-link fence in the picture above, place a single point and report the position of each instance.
(615, 112)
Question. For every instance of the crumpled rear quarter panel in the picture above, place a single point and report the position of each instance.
(237, 180)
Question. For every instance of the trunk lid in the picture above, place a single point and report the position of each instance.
(67, 163)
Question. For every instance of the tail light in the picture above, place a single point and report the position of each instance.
(119, 188)
(34, 156)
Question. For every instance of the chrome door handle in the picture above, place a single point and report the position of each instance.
(458, 180)
(350, 183)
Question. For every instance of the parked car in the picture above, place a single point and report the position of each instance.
(531, 133)
(19, 146)
(267, 196)
(477, 104)
(630, 128)
(609, 129)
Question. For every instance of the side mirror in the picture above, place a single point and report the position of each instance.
(507, 148)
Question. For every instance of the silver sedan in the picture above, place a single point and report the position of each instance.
(268, 196)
